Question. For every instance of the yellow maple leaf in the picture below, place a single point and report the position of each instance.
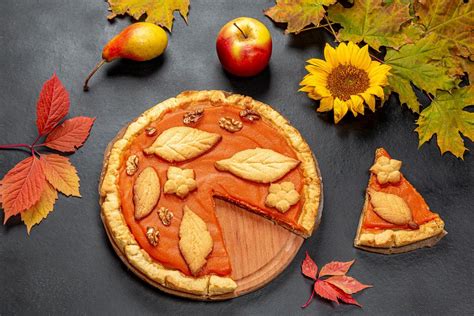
(35, 214)
(157, 11)
(298, 13)
(61, 174)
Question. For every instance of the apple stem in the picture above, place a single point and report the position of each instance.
(241, 31)
(99, 64)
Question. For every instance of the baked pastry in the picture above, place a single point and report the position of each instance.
(163, 170)
(395, 217)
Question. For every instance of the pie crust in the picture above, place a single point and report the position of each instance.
(396, 240)
(124, 242)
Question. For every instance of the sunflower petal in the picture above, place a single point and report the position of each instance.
(323, 91)
(376, 90)
(362, 59)
(342, 54)
(330, 56)
(370, 100)
(357, 104)
(320, 64)
(326, 104)
(340, 109)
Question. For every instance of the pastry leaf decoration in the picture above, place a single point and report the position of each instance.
(258, 165)
(298, 13)
(182, 143)
(372, 22)
(30, 187)
(428, 45)
(336, 285)
(195, 241)
(447, 107)
(159, 12)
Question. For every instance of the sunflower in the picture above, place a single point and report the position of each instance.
(346, 80)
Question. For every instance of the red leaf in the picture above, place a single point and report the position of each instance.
(70, 135)
(336, 268)
(346, 298)
(309, 300)
(347, 284)
(22, 186)
(325, 290)
(309, 267)
(52, 106)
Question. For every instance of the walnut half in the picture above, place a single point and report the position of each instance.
(153, 235)
(230, 124)
(132, 165)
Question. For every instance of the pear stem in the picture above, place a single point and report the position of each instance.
(99, 64)
(241, 31)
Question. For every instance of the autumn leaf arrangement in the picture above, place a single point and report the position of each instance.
(332, 283)
(426, 44)
(31, 187)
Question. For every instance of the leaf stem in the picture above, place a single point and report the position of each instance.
(36, 140)
(86, 82)
(332, 30)
(313, 27)
(376, 58)
(8, 146)
(241, 31)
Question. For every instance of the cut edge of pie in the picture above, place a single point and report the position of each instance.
(123, 241)
(396, 240)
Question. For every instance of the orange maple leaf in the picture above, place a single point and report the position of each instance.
(22, 186)
(61, 174)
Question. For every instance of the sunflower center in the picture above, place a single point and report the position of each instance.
(347, 80)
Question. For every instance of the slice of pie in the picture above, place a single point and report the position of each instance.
(162, 172)
(395, 217)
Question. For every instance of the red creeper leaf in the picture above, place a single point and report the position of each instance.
(309, 267)
(52, 106)
(22, 186)
(336, 268)
(346, 298)
(70, 135)
(325, 290)
(347, 284)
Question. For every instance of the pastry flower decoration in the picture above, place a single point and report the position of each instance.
(346, 80)
(282, 196)
(180, 182)
(387, 170)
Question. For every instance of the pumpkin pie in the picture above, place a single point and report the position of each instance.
(395, 217)
(162, 172)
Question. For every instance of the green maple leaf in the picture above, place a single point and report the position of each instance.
(452, 20)
(446, 118)
(298, 13)
(157, 11)
(372, 21)
(421, 64)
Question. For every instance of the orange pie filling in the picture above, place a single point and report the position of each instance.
(210, 183)
(420, 210)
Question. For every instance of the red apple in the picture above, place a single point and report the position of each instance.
(244, 46)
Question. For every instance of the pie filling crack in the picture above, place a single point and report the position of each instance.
(265, 166)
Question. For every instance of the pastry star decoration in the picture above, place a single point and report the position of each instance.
(387, 170)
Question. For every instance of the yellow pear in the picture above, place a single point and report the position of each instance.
(140, 41)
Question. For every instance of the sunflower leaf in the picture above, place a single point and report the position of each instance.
(372, 21)
(421, 64)
(446, 118)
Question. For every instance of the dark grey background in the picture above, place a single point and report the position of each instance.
(67, 264)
